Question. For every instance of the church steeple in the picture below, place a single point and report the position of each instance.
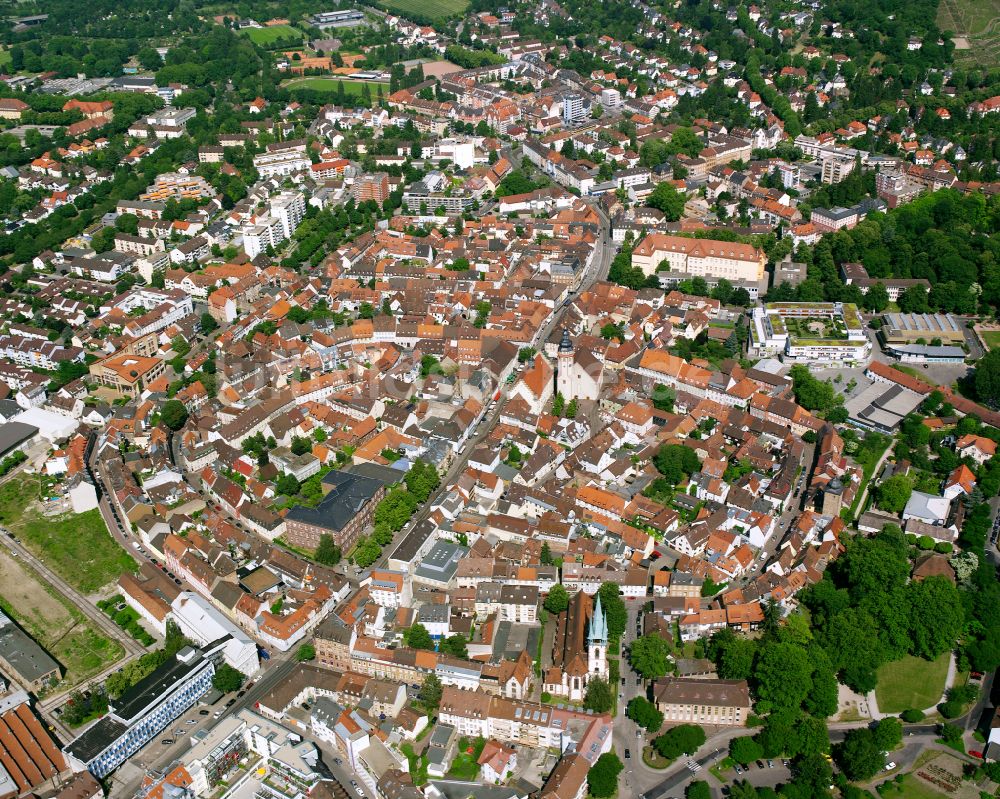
(597, 642)
(598, 624)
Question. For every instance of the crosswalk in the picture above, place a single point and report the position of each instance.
(693, 766)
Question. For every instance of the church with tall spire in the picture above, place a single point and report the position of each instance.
(579, 649)
(578, 372)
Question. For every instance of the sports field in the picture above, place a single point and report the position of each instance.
(435, 9)
(268, 36)
(976, 28)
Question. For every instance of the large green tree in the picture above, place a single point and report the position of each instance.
(602, 779)
(684, 739)
(783, 675)
(648, 656)
(644, 713)
(614, 608)
(676, 462)
(227, 679)
(987, 379)
(667, 199)
(745, 750)
(174, 414)
(557, 599)
(417, 637)
(936, 616)
(859, 756)
(598, 696)
(894, 493)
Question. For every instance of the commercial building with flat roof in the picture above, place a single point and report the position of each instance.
(882, 408)
(439, 568)
(921, 328)
(14, 435)
(144, 711)
(817, 333)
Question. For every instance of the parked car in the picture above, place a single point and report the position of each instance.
(167, 741)
(760, 764)
(628, 754)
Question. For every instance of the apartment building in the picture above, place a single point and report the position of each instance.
(284, 214)
(175, 186)
(281, 163)
(37, 354)
(371, 187)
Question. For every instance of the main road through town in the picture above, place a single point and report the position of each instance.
(597, 269)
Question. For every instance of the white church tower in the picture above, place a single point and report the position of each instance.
(564, 362)
(597, 643)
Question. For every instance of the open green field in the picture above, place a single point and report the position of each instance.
(78, 548)
(436, 9)
(911, 683)
(352, 88)
(61, 629)
(267, 36)
(976, 25)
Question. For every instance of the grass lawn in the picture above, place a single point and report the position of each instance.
(265, 36)
(4, 58)
(55, 623)
(418, 764)
(76, 546)
(352, 88)
(654, 759)
(464, 766)
(911, 683)
(436, 9)
(912, 788)
(991, 338)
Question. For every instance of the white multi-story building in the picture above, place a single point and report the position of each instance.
(574, 110)
(281, 163)
(611, 99)
(461, 152)
(285, 212)
(389, 589)
(818, 333)
(288, 208)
